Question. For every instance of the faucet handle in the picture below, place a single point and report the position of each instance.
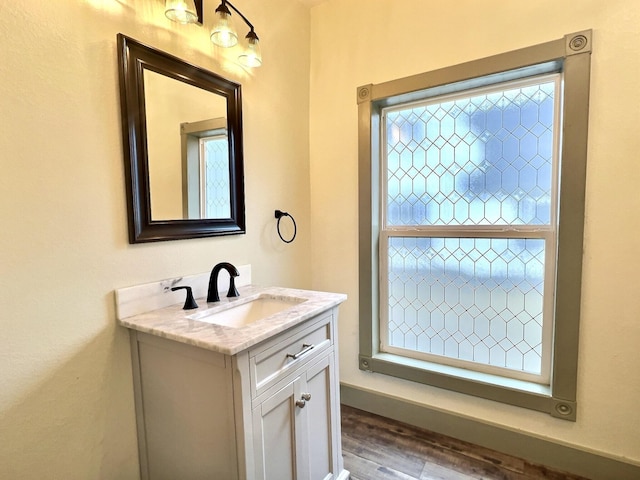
(189, 303)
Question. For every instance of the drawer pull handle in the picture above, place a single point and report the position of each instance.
(306, 348)
(305, 397)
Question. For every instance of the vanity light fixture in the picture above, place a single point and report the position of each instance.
(223, 32)
(183, 11)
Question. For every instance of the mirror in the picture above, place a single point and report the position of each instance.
(182, 132)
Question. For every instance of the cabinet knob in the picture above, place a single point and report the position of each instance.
(304, 398)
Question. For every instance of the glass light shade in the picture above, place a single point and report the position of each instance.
(223, 34)
(181, 11)
(251, 56)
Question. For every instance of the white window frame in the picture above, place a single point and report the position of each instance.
(556, 393)
(219, 135)
(535, 231)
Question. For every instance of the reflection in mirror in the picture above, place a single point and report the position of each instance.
(170, 108)
(182, 129)
(205, 161)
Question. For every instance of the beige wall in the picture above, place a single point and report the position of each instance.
(66, 399)
(356, 42)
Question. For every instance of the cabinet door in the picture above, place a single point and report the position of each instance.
(295, 428)
(278, 447)
(320, 428)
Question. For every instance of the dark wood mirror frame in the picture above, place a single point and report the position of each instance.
(133, 59)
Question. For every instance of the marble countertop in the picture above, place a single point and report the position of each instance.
(174, 323)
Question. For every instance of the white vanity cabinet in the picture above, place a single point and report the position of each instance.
(295, 415)
(269, 412)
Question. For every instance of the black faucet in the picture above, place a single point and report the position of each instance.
(212, 295)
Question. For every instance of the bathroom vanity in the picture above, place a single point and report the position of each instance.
(241, 389)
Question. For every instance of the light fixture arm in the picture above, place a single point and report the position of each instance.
(223, 33)
(199, 11)
(227, 3)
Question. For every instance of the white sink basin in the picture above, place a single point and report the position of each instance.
(247, 312)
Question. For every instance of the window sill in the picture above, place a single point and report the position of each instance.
(520, 393)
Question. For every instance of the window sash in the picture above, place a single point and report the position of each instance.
(556, 78)
(214, 203)
(546, 232)
(548, 301)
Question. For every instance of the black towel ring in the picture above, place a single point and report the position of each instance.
(279, 215)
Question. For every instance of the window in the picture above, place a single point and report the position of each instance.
(472, 203)
(215, 189)
(205, 164)
(468, 227)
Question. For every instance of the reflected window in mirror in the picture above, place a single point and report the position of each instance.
(205, 160)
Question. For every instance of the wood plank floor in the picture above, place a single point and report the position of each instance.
(376, 448)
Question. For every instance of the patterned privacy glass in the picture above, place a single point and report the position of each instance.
(481, 160)
(217, 194)
(477, 160)
(475, 299)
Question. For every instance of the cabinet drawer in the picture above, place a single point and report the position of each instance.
(275, 359)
